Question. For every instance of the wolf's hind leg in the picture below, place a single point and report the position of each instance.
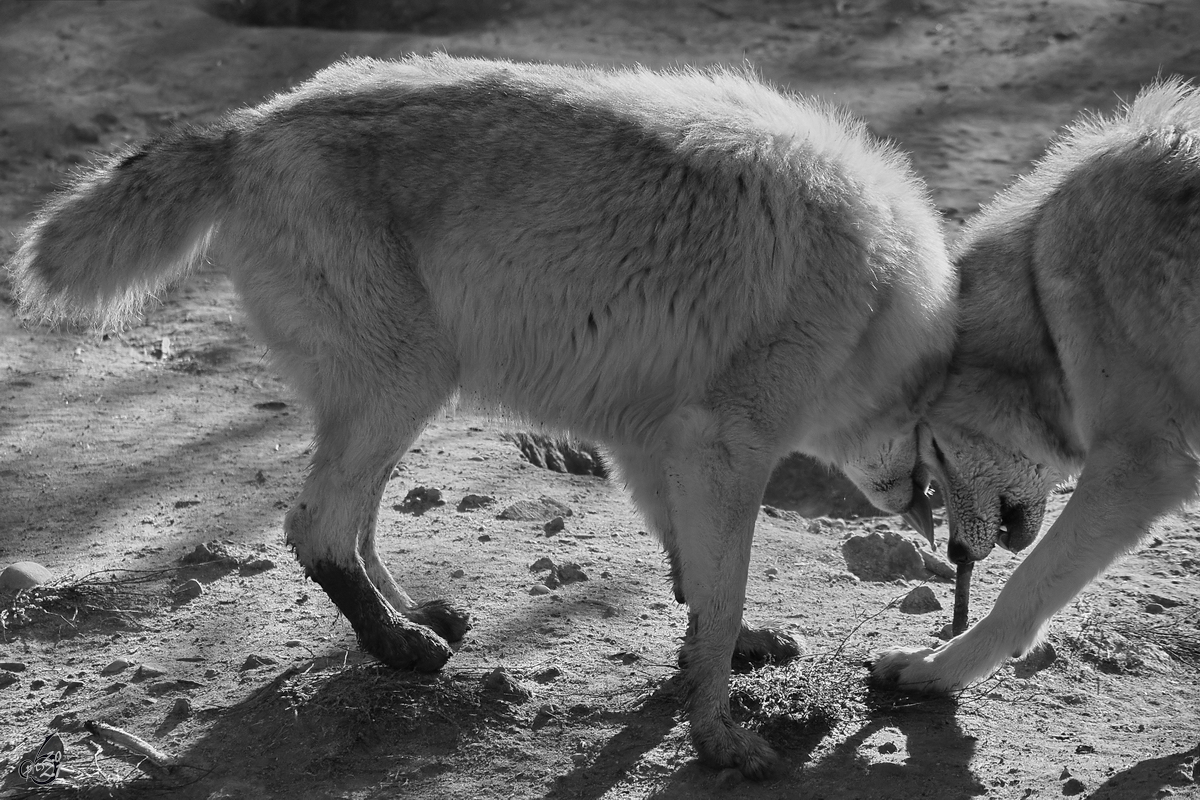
(705, 501)
(361, 431)
(645, 478)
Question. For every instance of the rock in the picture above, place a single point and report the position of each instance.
(292, 643)
(182, 708)
(115, 666)
(149, 671)
(1036, 660)
(560, 574)
(1165, 601)
(937, 566)
(539, 589)
(547, 675)
(258, 565)
(189, 590)
(474, 502)
(12, 666)
(887, 748)
(1073, 786)
(921, 600)
(500, 681)
(1154, 608)
(166, 687)
(540, 510)
(554, 526)
(458, 573)
(255, 661)
(420, 499)
(883, 557)
(545, 715)
(24, 575)
(7, 679)
(772, 572)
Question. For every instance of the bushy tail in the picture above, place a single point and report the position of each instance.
(100, 248)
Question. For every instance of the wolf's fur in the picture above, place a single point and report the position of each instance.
(1079, 348)
(693, 269)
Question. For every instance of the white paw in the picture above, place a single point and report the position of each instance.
(914, 669)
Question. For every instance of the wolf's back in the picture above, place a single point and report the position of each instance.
(125, 228)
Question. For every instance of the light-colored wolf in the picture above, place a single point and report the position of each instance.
(1079, 347)
(692, 268)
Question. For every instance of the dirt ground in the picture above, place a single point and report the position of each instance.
(119, 454)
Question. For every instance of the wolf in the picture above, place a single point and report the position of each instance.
(691, 268)
(1078, 352)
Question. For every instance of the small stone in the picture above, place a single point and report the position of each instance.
(539, 589)
(936, 566)
(501, 681)
(1066, 773)
(292, 643)
(554, 526)
(887, 748)
(474, 502)
(24, 575)
(149, 671)
(1073, 786)
(255, 661)
(115, 666)
(181, 708)
(921, 600)
(772, 572)
(542, 509)
(421, 499)
(1165, 601)
(12, 666)
(189, 590)
(258, 565)
(547, 675)
(886, 557)
(7, 679)
(483, 537)
(458, 573)
(1154, 608)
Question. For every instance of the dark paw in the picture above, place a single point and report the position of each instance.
(447, 621)
(757, 647)
(390, 637)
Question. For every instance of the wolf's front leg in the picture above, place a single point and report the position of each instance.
(1123, 488)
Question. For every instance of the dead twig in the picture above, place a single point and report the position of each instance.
(134, 744)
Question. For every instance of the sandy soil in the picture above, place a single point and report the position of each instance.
(119, 454)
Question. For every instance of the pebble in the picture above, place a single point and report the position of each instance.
(255, 661)
(24, 575)
(7, 679)
(501, 681)
(1073, 786)
(189, 589)
(554, 526)
(883, 557)
(149, 670)
(115, 666)
(474, 502)
(12, 666)
(539, 589)
(921, 600)
(181, 708)
(540, 510)
(292, 643)
(458, 573)
(1154, 608)
(888, 747)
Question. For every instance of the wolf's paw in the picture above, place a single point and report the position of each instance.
(758, 646)
(447, 621)
(731, 746)
(913, 669)
(403, 645)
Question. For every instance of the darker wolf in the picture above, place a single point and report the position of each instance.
(696, 270)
